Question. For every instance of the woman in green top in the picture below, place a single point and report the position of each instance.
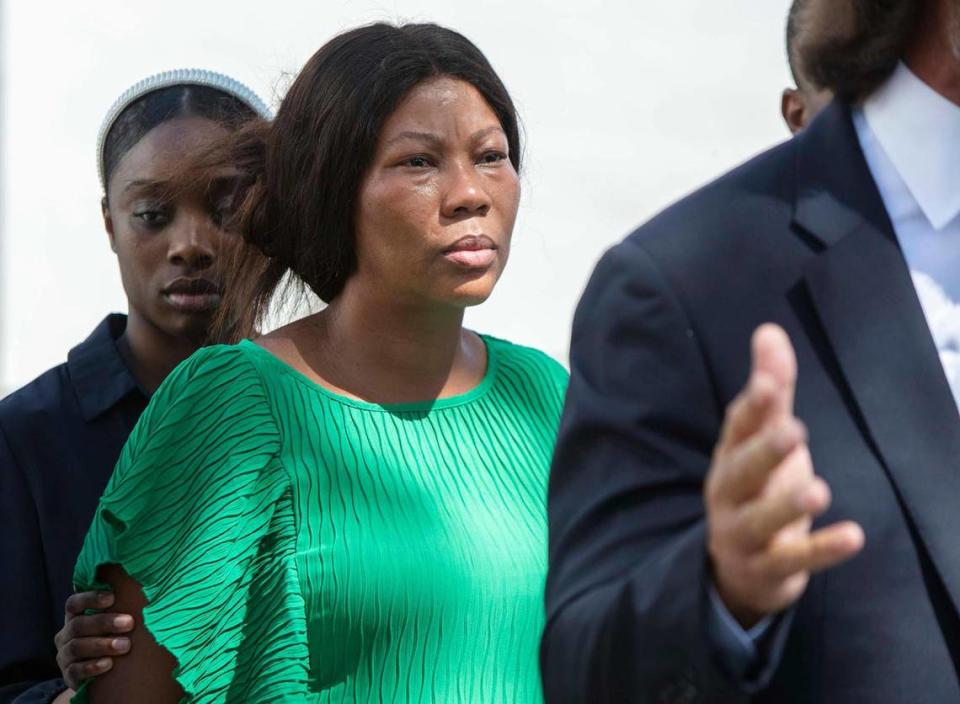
(351, 508)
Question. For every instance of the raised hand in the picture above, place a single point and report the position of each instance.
(762, 494)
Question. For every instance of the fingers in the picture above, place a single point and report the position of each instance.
(772, 579)
(78, 603)
(760, 521)
(748, 412)
(815, 552)
(76, 673)
(94, 625)
(80, 658)
(759, 429)
(743, 472)
(762, 494)
(770, 389)
(773, 354)
(85, 649)
(769, 393)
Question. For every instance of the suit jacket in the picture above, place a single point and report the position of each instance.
(798, 236)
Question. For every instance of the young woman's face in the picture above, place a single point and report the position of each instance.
(437, 206)
(167, 247)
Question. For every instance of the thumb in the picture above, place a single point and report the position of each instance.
(773, 356)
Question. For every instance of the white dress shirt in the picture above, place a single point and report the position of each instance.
(910, 136)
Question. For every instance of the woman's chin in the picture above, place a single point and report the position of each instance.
(471, 294)
(194, 328)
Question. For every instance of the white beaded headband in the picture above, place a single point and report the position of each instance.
(178, 77)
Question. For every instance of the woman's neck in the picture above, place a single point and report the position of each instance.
(388, 352)
(150, 353)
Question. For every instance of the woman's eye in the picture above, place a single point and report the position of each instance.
(417, 162)
(492, 157)
(220, 215)
(152, 218)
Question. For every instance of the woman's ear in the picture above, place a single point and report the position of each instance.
(108, 223)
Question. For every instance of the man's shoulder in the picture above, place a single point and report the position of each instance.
(753, 199)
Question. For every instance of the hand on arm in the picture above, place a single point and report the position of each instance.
(87, 644)
(145, 674)
(762, 494)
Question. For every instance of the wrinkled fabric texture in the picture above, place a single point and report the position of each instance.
(297, 545)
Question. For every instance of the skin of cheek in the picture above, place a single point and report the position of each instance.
(142, 261)
(391, 245)
(138, 262)
(398, 245)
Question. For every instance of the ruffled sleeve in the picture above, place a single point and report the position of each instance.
(199, 511)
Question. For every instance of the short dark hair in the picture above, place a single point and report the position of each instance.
(852, 46)
(793, 28)
(304, 170)
(156, 107)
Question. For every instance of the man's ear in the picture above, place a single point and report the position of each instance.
(108, 223)
(793, 109)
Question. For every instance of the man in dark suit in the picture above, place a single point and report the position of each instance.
(695, 553)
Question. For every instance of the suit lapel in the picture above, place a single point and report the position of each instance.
(866, 302)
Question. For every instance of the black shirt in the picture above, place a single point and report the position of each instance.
(60, 436)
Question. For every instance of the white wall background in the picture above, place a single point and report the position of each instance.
(627, 105)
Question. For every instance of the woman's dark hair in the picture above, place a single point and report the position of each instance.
(302, 172)
(159, 106)
(852, 46)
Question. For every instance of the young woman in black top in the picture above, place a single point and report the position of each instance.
(61, 434)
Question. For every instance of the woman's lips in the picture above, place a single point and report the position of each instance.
(472, 252)
(472, 258)
(192, 295)
(193, 302)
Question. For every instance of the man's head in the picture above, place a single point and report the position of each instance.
(850, 47)
(801, 104)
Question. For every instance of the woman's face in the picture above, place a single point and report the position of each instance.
(437, 206)
(167, 247)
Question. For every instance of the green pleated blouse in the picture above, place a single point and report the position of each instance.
(298, 545)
